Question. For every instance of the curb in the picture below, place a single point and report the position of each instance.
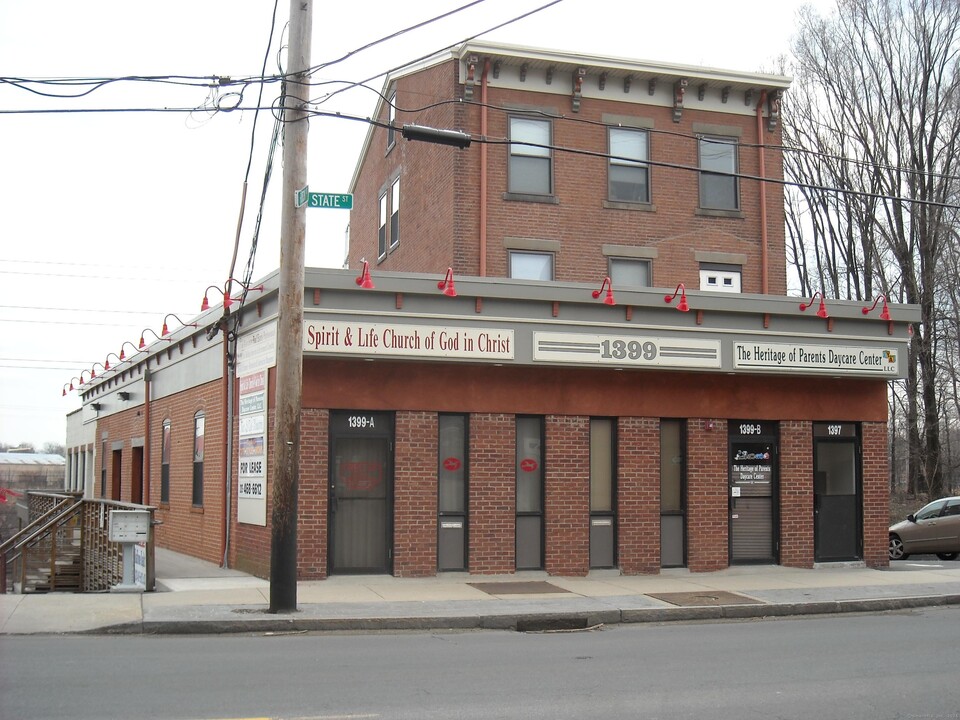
(256, 622)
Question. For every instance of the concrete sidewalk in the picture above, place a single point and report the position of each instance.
(198, 597)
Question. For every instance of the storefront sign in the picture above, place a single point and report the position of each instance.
(634, 349)
(800, 358)
(407, 340)
(257, 350)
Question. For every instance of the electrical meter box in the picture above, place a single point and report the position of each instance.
(129, 526)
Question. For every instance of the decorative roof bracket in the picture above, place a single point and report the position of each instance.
(471, 80)
(773, 109)
(578, 87)
(679, 88)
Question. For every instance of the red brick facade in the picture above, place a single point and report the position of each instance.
(440, 214)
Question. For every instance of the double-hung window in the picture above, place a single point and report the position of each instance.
(719, 189)
(629, 272)
(395, 214)
(382, 231)
(198, 422)
(165, 462)
(531, 160)
(531, 265)
(628, 174)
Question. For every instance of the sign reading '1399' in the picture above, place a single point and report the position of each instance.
(625, 350)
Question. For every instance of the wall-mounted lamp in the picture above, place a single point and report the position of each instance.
(143, 342)
(884, 312)
(106, 362)
(225, 291)
(822, 310)
(96, 407)
(164, 332)
(682, 306)
(365, 281)
(125, 343)
(608, 298)
(447, 284)
(123, 395)
(93, 369)
(65, 388)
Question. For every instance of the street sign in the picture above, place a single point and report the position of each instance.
(300, 197)
(340, 201)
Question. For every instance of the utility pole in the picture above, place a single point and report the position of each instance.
(286, 447)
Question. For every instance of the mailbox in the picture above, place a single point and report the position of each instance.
(129, 526)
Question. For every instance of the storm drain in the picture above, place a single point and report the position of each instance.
(556, 624)
(705, 599)
(529, 587)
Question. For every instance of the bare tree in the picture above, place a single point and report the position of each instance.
(875, 108)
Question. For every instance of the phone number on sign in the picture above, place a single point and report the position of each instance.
(250, 489)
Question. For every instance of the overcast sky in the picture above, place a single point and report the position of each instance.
(110, 221)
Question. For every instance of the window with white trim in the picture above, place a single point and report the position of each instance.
(720, 278)
(628, 175)
(198, 423)
(391, 119)
(382, 231)
(531, 163)
(395, 214)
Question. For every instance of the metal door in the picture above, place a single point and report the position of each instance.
(360, 498)
(836, 492)
(753, 492)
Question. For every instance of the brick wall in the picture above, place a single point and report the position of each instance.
(415, 495)
(492, 494)
(876, 495)
(796, 493)
(638, 495)
(567, 495)
(707, 504)
(440, 208)
(185, 528)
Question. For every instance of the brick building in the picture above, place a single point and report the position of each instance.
(566, 346)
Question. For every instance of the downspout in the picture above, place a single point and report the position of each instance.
(228, 513)
(146, 436)
(764, 274)
(483, 168)
(227, 434)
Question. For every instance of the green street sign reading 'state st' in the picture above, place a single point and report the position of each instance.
(340, 201)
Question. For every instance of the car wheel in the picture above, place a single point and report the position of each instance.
(943, 556)
(896, 548)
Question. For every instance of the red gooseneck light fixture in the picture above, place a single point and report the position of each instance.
(225, 291)
(365, 281)
(608, 298)
(143, 342)
(447, 284)
(106, 362)
(164, 332)
(822, 310)
(125, 343)
(884, 312)
(682, 306)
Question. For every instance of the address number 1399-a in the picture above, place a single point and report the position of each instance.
(632, 350)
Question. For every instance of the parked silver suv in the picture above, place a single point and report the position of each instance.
(935, 528)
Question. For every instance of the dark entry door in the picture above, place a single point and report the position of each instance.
(360, 500)
(836, 492)
(753, 492)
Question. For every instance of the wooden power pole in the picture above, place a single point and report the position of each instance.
(289, 390)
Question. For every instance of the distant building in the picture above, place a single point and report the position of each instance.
(21, 472)
(567, 346)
